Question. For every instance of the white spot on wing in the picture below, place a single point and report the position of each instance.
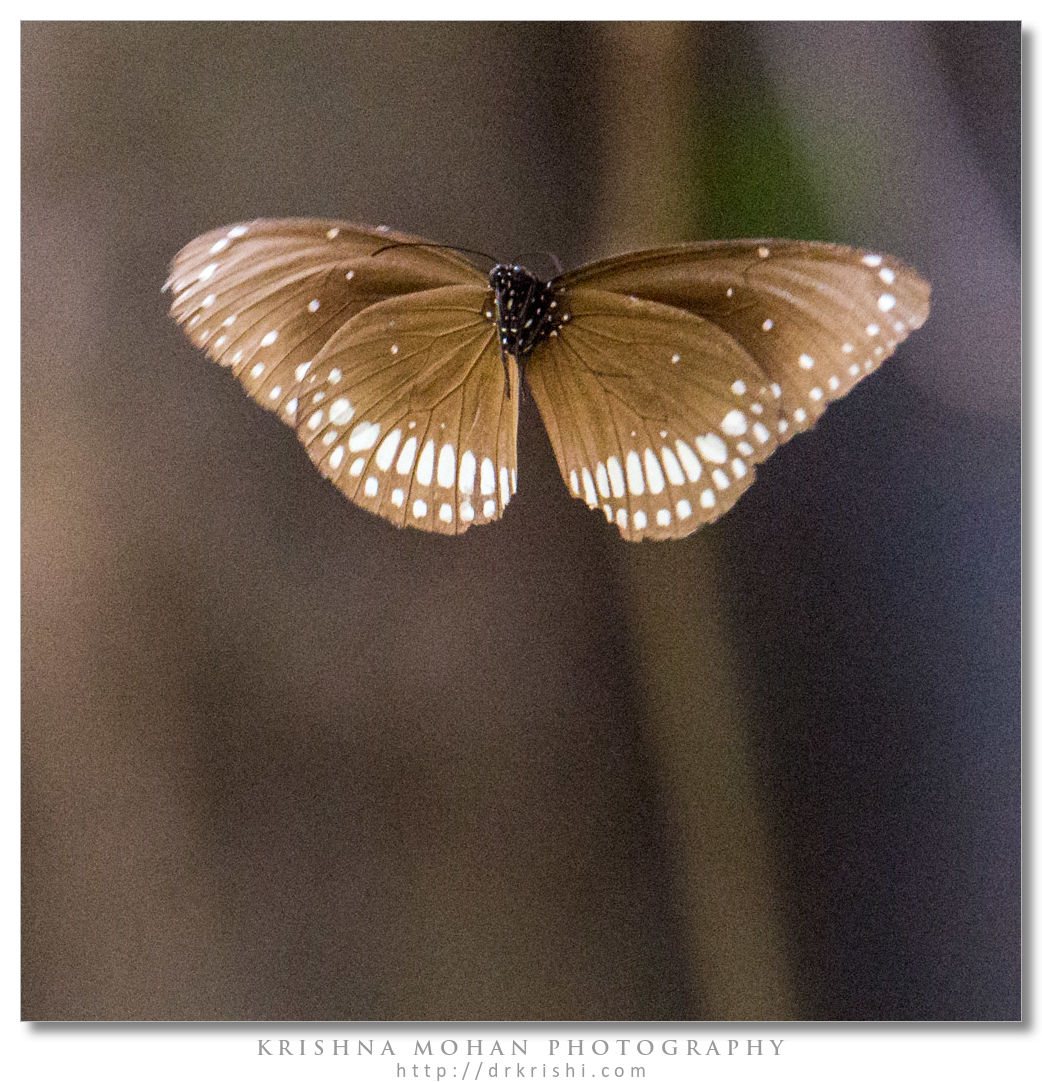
(712, 447)
(653, 472)
(634, 476)
(341, 411)
(468, 468)
(386, 451)
(618, 481)
(673, 470)
(447, 466)
(425, 467)
(488, 478)
(691, 462)
(408, 456)
(603, 486)
(363, 436)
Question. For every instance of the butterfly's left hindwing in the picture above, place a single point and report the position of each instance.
(406, 410)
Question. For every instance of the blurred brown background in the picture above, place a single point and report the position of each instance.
(282, 761)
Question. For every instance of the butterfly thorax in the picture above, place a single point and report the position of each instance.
(526, 310)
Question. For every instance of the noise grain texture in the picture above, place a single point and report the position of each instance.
(663, 377)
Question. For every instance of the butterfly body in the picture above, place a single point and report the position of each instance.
(662, 377)
(525, 310)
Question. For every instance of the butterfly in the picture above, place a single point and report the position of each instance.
(663, 377)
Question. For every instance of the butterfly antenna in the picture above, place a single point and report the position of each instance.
(424, 244)
(552, 256)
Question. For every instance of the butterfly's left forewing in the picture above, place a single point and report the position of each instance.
(263, 297)
(656, 417)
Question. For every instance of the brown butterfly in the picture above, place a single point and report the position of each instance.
(662, 376)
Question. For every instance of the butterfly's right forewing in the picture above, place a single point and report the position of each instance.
(816, 317)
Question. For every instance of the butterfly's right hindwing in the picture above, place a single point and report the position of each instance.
(656, 417)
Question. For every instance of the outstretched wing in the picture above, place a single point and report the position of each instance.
(264, 297)
(817, 318)
(656, 416)
(406, 410)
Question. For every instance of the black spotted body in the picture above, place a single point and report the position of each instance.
(526, 309)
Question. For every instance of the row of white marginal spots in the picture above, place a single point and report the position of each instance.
(634, 474)
(885, 302)
(475, 480)
(683, 466)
